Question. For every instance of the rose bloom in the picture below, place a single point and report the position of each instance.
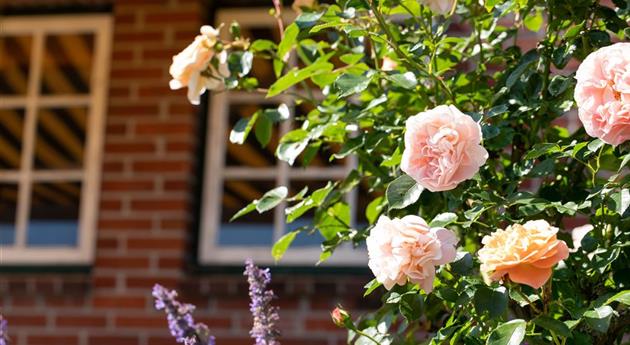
(407, 249)
(442, 148)
(526, 253)
(439, 6)
(602, 93)
(188, 65)
(389, 64)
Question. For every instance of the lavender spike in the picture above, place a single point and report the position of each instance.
(264, 330)
(180, 319)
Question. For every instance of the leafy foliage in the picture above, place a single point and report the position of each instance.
(537, 169)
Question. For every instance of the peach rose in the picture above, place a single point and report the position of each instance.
(526, 253)
(439, 6)
(407, 249)
(602, 93)
(389, 64)
(191, 68)
(442, 148)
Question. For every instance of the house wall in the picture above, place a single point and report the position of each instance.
(146, 229)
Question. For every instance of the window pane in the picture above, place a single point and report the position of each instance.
(67, 64)
(60, 138)
(54, 217)
(305, 238)
(253, 229)
(8, 206)
(11, 128)
(14, 64)
(251, 153)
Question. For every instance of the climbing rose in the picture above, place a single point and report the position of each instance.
(191, 68)
(408, 249)
(442, 148)
(602, 93)
(439, 6)
(526, 253)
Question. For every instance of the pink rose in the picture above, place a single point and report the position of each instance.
(407, 249)
(439, 6)
(442, 148)
(602, 93)
(188, 65)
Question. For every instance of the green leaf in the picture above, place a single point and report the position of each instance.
(291, 145)
(493, 301)
(403, 192)
(281, 246)
(374, 209)
(534, 21)
(524, 64)
(284, 47)
(371, 286)
(263, 130)
(622, 201)
(351, 59)
(594, 145)
(279, 114)
(509, 333)
(551, 324)
(262, 45)
(463, 263)
(245, 210)
(308, 19)
(295, 76)
(599, 318)
(349, 84)
(410, 306)
(621, 297)
(405, 80)
(542, 149)
(241, 129)
(443, 219)
(271, 199)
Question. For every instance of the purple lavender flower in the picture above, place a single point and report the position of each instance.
(180, 320)
(4, 333)
(265, 315)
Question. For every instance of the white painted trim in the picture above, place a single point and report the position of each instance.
(101, 26)
(215, 172)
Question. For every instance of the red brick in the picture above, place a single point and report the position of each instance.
(129, 147)
(125, 224)
(26, 320)
(159, 205)
(127, 185)
(52, 340)
(172, 17)
(162, 166)
(81, 321)
(170, 263)
(112, 339)
(133, 110)
(164, 128)
(156, 243)
(119, 302)
(141, 322)
(148, 282)
(122, 262)
(137, 73)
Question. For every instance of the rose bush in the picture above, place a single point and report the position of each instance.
(453, 120)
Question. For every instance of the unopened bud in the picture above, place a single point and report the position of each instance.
(339, 316)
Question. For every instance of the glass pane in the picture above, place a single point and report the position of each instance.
(11, 128)
(253, 229)
(60, 138)
(8, 206)
(67, 64)
(305, 238)
(251, 153)
(54, 217)
(14, 64)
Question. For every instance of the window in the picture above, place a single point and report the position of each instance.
(237, 174)
(53, 80)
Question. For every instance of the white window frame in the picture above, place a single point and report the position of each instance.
(215, 171)
(38, 27)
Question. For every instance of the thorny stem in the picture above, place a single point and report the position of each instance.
(529, 302)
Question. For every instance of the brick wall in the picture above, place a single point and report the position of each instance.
(145, 231)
